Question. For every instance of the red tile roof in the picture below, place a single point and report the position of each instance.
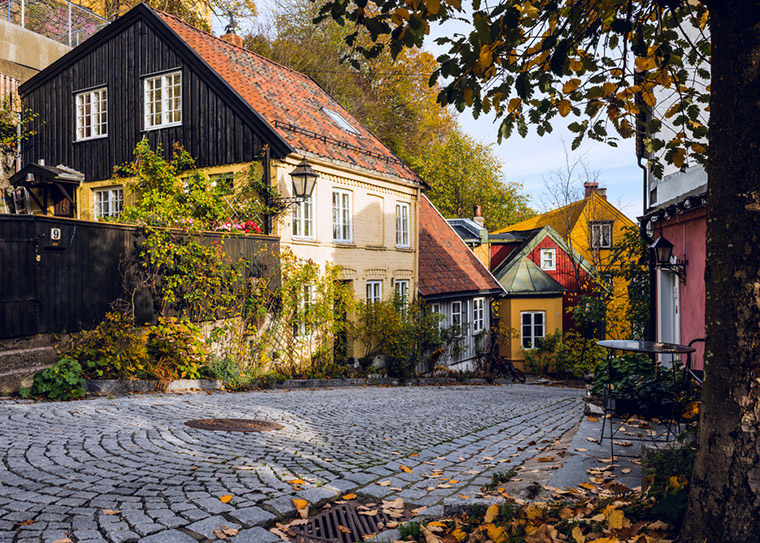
(447, 265)
(291, 103)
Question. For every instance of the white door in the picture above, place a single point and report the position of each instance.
(668, 309)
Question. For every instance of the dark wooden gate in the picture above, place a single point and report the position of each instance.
(59, 275)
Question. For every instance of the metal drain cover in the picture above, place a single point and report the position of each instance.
(234, 425)
(343, 524)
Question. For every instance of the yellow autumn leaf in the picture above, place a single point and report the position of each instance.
(615, 519)
(514, 104)
(226, 498)
(456, 4)
(564, 107)
(496, 533)
(433, 6)
(491, 513)
(468, 97)
(571, 85)
(297, 482)
(437, 523)
(679, 157)
(349, 497)
(609, 88)
(405, 469)
(534, 512)
(302, 506)
(459, 534)
(691, 409)
(343, 529)
(645, 63)
(530, 10)
(578, 535)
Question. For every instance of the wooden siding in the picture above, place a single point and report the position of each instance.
(210, 131)
(70, 286)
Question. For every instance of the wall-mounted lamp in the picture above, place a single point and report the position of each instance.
(304, 178)
(663, 252)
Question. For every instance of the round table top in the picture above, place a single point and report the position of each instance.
(645, 346)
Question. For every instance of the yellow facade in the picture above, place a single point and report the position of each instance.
(372, 253)
(574, 223)
(510, 311)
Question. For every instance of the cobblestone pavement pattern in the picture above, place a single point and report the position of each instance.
(63, 464)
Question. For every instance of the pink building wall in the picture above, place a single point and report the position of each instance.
(687, 234)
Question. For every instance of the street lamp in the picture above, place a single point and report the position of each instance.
(303, 178)
(663, 252)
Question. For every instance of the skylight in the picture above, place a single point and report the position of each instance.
(341, 122)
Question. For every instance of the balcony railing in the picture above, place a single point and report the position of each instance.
(58, 20)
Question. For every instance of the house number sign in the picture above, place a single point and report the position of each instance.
(55, 235)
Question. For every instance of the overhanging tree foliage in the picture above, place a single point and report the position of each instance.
(601, 61)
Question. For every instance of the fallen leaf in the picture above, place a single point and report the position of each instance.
(220, 534)
(491, 513)
(405, 469)
(384, 483)
(578, 535)
(545, 532)
(579, 449)
(658, 525)
(298, 522)
(369, 512)
(110, 512)
(297, 482)
(545, 459)
(414, 454)
(419, 510)
(62, 540)
(349, 497)
(453, 481)
(279, 533)
(592, 440)
(302, 506)
(397, 489)
(429, 536)
(464, 496)
(344, 529)
(226, 498)
(592, 419)
(626, 470)
(437, 523)
(459, 534)
(444, 486)
(25, 523)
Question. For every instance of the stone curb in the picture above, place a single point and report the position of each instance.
(116, 386)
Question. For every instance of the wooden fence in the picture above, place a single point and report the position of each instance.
(63, 275)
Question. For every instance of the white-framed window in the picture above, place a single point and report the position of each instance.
(601, 235)
(402, 224)
(223, 183)
(303, 219)
(548, 259)
(459, 316)
(533, 326)
(341, 215)
(402, 289)
(92, 114)
(109, 201)
(301, 326)
(374, 291)
(436, 308)
(478, 314)
(162, 100)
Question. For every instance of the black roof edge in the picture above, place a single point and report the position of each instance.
(462, 294)
(675, 204)
(144, 12)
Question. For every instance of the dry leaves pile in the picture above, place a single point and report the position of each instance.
(599, 513)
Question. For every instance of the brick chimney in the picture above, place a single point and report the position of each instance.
(590, 187)
(233, 38)
(478, 216)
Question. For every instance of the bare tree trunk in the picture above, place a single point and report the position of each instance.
(724, 501)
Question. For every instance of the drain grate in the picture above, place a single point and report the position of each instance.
(234, 425)
(342, 524)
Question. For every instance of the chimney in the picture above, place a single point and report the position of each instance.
(590, 187)
(602, 193)
(478, 217)
(232, 38)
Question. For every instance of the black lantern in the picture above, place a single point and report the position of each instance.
(663, 252)
(304, 179)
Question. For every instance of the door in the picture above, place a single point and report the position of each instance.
(668, 310)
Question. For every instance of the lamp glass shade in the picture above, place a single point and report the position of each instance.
(663, 250)
(304, 178)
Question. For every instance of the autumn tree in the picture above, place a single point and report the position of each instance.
(462, 173)
(601, 61)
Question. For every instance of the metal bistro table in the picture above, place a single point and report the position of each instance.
(645, 347)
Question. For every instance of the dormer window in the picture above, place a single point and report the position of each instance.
(341, 121)
(163, 100)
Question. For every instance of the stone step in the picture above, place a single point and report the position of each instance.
(18, 366)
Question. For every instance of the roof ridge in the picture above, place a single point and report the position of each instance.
(226, 43)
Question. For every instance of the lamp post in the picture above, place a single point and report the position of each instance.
(303, 178)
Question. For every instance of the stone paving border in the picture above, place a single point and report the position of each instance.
(64, 466)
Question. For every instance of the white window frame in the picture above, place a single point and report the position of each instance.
(303, 223)
(401, 287)
(374, 291)
(91, 108)
(166, 109)
(341, 216)
(548, 259)
(532, 336)
(301, 328)
(456, 315)
(114, 201)
(403, 212)
(341, 121)
(597, 235)
(478, 314)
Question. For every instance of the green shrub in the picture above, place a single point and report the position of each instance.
(175, 349)
(544, 359)
(579, 355)
(63, 381)
(667, 474)
(113, 350)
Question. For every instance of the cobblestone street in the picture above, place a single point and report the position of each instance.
(64, 463)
